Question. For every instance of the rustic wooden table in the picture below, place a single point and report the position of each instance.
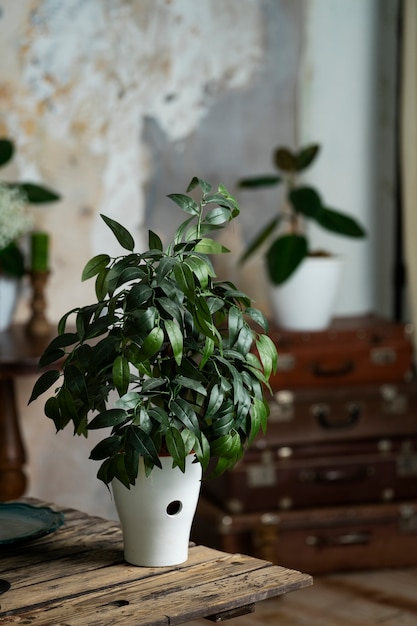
(77, 576)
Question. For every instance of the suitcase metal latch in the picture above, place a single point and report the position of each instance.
(282, 410)
(384, 355)
(408, 519)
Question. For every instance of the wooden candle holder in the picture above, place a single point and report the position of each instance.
(38, 325)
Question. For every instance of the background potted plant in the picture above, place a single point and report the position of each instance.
(15, 222)
(289, 257)
(177, 349)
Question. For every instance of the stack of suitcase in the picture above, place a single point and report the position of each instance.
(333, 483)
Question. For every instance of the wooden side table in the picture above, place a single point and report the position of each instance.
(19, 355)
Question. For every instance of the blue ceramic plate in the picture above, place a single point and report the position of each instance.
(24, 522)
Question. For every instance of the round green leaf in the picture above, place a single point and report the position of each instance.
(284, 256)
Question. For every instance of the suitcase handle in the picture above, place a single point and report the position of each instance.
(348, 539)
(323, 372)
(324, 419)
(333, 475)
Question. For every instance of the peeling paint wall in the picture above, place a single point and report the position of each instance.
(82, 78)
(116, 103)
(98, 95)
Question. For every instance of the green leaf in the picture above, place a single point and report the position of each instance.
(207, 352)
(115, 272)
(94, 266)
(186, 414)
(101, 284)
(105, 448)
(181, 230)
(139, 295)
(260, 238)
(235, 323)
(284, 256)
(176, 448)
(131, 461)
(120, 232)
(175, 338)
(244, 340)
(210, 246)
(53, 411)
(185, 279)
(161, 416)
(198, 182)
(186, 203)
(107, 419)
(63, 340)
(104, 473)
(68, 410)
(267, 354)
(201, 269)
(118, 470)
(202, 451)
(75, 382)
(227, 446)
(51, 357)
(306, 201)
(128, 402)
(258, 317)
(222, 425)
(12, 261)
(306, 156)
(285, 160)
(218, 216)
(154, 241)
(165, 265)
(340, 223)
(190, 383)
(152, 343)
(266, 180)
(170, 307)
(6, 151)
(145, 321)
(259, 415)
(214, 403)
(36, 194)
(121, 374)
(143, 443)
(44, 382)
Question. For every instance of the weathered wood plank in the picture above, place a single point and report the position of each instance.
(78, 576)
(176, 601)
(45, 584)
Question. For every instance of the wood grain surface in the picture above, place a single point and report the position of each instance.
(77, 575)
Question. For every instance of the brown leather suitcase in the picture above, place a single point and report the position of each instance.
(353, 350)
(316, 416)
(325, 447)
(319, 540)
(283, 483)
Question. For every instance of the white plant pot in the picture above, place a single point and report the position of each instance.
(156, 513)
(9, 294)
(306, 301)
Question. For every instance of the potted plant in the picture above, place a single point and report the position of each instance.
(289, 257)
(15, 222)
(177, 349)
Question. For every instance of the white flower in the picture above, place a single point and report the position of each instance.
(15, 221)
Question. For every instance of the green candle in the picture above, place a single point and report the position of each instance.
(39, 249)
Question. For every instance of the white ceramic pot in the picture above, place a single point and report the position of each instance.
(9, 294)
(156, 513)
(306, 301)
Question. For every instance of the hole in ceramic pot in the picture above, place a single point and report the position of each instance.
(174, 507)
